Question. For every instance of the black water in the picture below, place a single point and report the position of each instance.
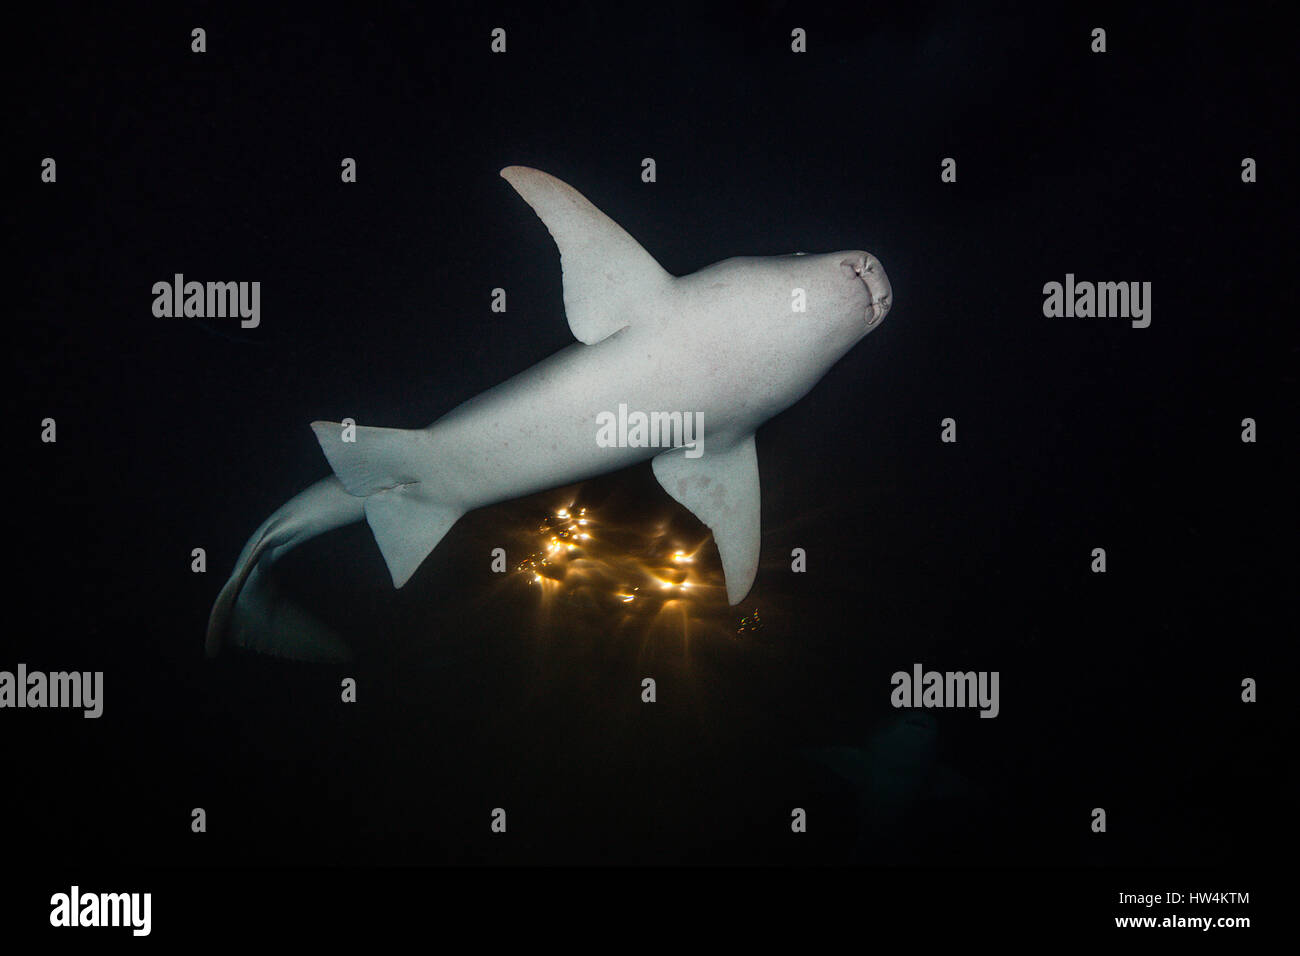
(1118, 690)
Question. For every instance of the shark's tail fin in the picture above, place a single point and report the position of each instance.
(260, 618)
(382, 466)
(249, 611)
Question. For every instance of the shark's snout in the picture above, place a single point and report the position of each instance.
(872, 274)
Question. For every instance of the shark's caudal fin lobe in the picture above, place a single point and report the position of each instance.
(249, 611)
(269, 623)
(223, 609)
(608, 277)
(381, 466)
(720, 487)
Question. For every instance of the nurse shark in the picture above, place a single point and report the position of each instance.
(723, 349)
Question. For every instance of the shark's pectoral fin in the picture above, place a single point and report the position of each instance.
(608, 277)
(721, 489)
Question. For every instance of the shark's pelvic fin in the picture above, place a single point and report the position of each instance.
(381, 466)
(408, 525)
(721, 489)
(608, 277)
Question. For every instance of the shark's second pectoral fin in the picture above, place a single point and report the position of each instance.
(609, 280)
(720, 487)
(387, 467)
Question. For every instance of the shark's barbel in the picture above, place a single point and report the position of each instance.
(724, 344)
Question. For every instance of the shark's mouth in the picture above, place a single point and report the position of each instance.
(879, 294)
(878, 299)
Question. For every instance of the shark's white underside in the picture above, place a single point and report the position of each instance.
(724, 343)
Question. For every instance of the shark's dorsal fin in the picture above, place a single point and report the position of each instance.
(384, 467)
(607, 275)
(721, 489)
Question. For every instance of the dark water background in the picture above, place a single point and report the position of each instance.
(1119, 691)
